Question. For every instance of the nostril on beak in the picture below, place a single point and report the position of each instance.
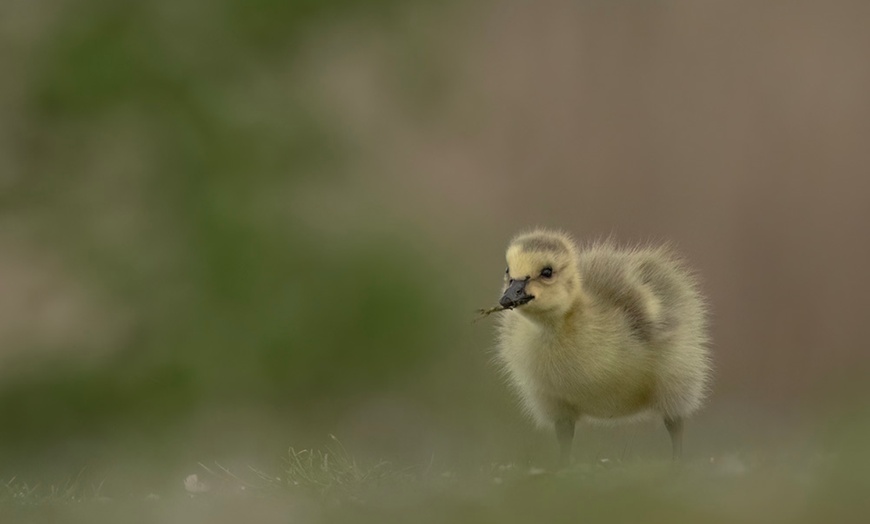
(515, 294)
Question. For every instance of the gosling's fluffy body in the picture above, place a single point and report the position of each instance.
(615, 333)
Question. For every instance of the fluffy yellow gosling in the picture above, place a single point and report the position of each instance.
(601, 333)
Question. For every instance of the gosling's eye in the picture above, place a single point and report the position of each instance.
(547, 272)
(507, 271)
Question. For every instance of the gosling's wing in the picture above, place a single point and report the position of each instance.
(674, 287)
(611, 280)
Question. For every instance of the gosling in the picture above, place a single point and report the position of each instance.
(601, 333)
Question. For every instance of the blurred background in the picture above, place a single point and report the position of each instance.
(230, 227)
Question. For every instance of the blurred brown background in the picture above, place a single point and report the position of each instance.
(228, 226)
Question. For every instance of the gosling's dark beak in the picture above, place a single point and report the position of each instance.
(515, 295)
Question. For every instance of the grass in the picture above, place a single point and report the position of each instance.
(17, 492)
(327, 475)
(330, 485)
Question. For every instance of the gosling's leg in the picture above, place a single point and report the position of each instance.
(675, 429)
(565, 436)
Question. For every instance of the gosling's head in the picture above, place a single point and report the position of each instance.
(541, 277)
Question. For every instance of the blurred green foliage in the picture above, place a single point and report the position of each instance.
(163, 144)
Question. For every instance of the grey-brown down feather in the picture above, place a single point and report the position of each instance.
(626, 280)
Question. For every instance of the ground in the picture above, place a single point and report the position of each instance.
(330, 486)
